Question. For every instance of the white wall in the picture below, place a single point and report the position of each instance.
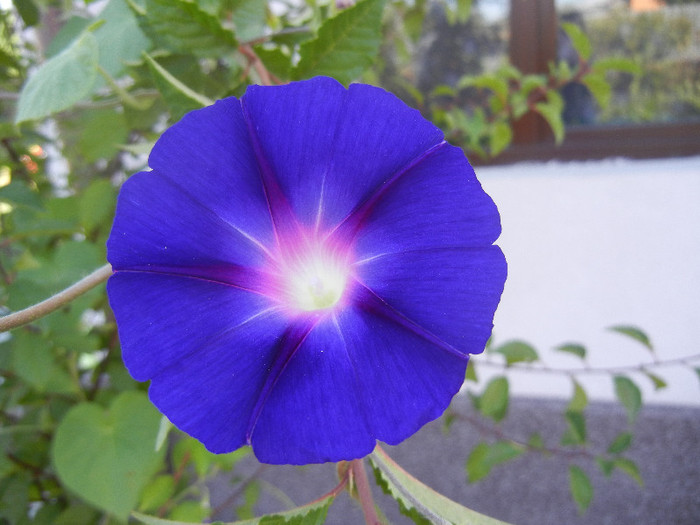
(594, 244)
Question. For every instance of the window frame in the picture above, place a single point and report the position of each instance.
(533, 44)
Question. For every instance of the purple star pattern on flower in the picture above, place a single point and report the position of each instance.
(304, 270)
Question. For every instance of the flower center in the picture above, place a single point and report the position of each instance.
(316, 281)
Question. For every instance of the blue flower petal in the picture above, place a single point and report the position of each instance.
(207, 348)
(404, 379)
(314, 411)
(209, 155)
(449, 292)
(329, 147)
(157, 224)
(437, 202)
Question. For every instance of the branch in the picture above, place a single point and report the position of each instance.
(643, 367)
(55, 302)
(364, 492)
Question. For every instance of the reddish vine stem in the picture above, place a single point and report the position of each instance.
(499, 434)
(364, 492)
(254, 61)
(643, 367)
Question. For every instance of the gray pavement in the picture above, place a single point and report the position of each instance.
(532, 489)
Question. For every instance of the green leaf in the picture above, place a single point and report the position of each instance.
(471, 372)
(634, 333)
(156, 493)
(179, 98)
(101, 133)
(579, 40)
(536, 441)
(249, 18)
(517, 352)
(313, 513)
(61, 81)
(96, 205)
(493, 402)
(551, 111)
(579, 400)
(120, 39)
(621, 443)
(606, 465)
(107, 457)
(581, 488)
(626, 65)
(572, 348)
(630, 468)
(599, 88)
(28, 10)
(629, 395)
(659, 382)
(416, 499)
(181, 26)
(501, 137)
(576, 429)
(485, 456)
(34, 361)
(345, 45)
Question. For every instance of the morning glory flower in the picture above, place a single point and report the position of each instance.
(305, 270)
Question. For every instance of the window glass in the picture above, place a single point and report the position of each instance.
(663, 37)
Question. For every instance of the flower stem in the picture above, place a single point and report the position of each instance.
(55, 302)
(364, 492)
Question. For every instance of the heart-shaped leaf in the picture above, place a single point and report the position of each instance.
(107, 456)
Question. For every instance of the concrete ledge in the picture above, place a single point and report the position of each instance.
(532, 489)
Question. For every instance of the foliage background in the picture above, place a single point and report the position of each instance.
(85, 90)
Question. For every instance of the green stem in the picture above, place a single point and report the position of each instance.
(55, 302)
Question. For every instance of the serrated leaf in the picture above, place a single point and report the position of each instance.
(579, 400)
(106, 457)
(485, 456)
(313, 513)
(621, 443)
(579, 39)
(419, 500)
(572, 348)
(517, 351)
(551, 110)
(581, 488)
(345, 45)
(182, 26)
(626, 65)
(493, 402)
(179, 98)
(61, 81)
(599, 88)
(629, 395)
(630, 468)
(659, 382)
(634, 333)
